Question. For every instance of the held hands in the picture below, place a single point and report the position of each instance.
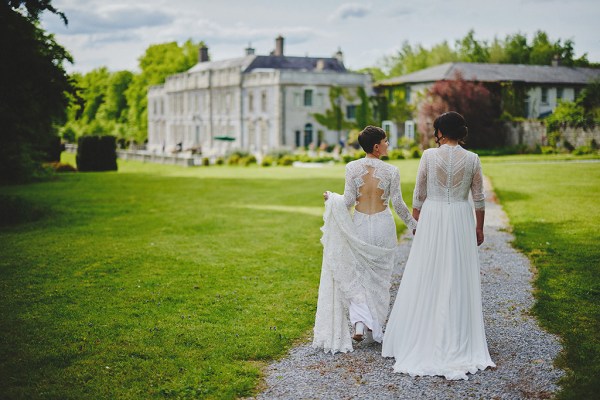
(479, 233)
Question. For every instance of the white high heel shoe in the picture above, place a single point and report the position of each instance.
(359, 331)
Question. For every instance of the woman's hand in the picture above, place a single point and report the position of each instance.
(479, 233)
(325, 196)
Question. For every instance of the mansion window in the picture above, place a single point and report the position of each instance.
(250, 102)
(351, 111)
(308, 134)
(308, 98)
(263, 102)
(544, 95)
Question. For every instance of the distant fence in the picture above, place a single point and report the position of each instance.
(183, 159)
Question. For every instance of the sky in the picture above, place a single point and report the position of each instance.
(116, 33)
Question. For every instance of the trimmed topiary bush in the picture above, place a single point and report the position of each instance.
(97, 153)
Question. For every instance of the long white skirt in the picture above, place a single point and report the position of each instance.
(378, 229)
(436, 324)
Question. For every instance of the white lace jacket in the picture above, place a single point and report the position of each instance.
(447, 174)
(389, 182)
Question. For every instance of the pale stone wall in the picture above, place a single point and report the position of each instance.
(532, 133)
(581, 137)
(528, 133)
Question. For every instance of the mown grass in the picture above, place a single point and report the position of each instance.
(168, 282)
(553, 208)
(158, 281)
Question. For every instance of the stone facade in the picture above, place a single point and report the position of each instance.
(253, 103)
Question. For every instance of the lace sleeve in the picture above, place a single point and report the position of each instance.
(477, 186)
(349, 189)
(420, 193)
(398, 202)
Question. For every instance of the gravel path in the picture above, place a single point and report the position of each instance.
(522, 351)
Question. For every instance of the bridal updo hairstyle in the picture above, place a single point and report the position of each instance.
(369, 137)
(452, 125)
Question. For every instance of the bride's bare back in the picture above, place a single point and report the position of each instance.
(370, 196)
(371, 184)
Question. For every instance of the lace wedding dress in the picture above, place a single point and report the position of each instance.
(358, 254)
(436, 324)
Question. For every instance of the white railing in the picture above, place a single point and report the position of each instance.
(184, 159)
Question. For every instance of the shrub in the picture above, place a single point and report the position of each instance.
(415, 152)
(233, 159)
(96, 153)
(220, 161)
(245, 161)
(53, 149)
(581, 150)
(60, 167)
(205, 161)
(267, 161)
(396, 154)
(547, 149)
(286, 160)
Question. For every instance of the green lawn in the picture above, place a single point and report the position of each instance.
(553, 208)
(158, 281)
(161, 281)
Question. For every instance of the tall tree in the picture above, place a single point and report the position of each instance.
(34, 86)
(158, 62)
(472, 50)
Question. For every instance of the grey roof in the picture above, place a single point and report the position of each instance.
(251, 62)
(241, 62)
(539, 74)
(296, 63)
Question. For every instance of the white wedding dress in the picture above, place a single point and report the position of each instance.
(436, 324)
(358, 254)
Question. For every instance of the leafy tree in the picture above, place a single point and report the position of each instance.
(542, 50)
(34, 86)
(497, 51)
(473, 100)
(471, 50)
(115, 106)
(158, 62)
(516, 49)
(333, 118)
(364, 111)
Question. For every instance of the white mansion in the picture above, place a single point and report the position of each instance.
(255, 103)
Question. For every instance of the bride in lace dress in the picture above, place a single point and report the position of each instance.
(436, 324)
(358, 249)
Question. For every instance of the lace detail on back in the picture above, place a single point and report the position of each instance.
(447, 174)
(374, 179)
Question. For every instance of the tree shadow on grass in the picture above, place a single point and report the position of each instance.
(15, 210)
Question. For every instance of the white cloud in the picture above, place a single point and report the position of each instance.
(107, 19)
(349, 10)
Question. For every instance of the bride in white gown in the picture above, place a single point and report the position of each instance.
(358, 249)
(436, 324)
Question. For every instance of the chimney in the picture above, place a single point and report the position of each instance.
(203, 54)
(339, 56)
(249, 50)
(320, 65)
(278, 46)
(556, 60)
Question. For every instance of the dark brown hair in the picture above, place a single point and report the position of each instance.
(369, 137)
(452, 125)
